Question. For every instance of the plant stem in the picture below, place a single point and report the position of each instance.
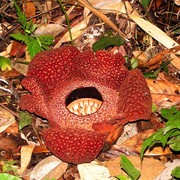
(67, 20)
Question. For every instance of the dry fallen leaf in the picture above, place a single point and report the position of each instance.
(154, 31)
(49, 29)
(26, 153)
(92, 171)
(164, 93)
(40, 149)
(13, 129)
(18, 49)
(175, 61)
(177, 2)
(152, 58)
(6, 53)
(48, 168)
(136, 141)
(100, 8)
(157, 34)
(76, 31)
(8, 144)
(63, 18)
(166, 174)
(29, 9)
(47, 5)
(130, 130)
(133, 145)
(145, 60)
(6, 119)
(148, 171)
(158, 58)
(21, 68)
(103, 17)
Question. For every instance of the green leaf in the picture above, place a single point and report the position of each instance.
(174, 143)
(150, 75)
(175, 133)
(167, 113)
(8, 166)
(151, 141)
(172, 126)
(107, 40)
(145, 3)
(164, 66)
(154, 107)
(176, 172)
(169, 135)
(5, 176)
(21, 17)
(25, 119)
(134, 63)
(5, 63)
(129, 168)
(28, 26)
(122, 177)
(20, 37)
(176, 32)
(33, 46)
(172, 114)
(154, 74)
(45, 41)
(166, 136)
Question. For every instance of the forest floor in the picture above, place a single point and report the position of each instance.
(146, 33)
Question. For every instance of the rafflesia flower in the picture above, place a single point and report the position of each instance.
(86, 97)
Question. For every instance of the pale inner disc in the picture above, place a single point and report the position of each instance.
(84, 106)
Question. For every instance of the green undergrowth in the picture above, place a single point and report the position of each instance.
(5, 63)
(169, 136)
(35, 44)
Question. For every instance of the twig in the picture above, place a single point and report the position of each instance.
(12, 29)
(102, 17)
(12, 112)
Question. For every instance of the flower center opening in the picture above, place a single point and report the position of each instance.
(84, 101)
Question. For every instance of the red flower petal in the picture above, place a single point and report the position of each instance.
(134, 98)
(103, 67)
(74, 146)
(53, 66)
(36, 102)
